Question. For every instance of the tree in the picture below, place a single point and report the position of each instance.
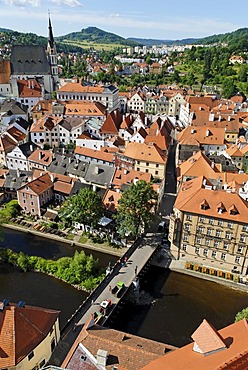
(242, 315)
(134, 213)
(85, 207)
(229, 88)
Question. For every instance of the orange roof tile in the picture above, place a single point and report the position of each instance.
(112, 123)
(145, 152)
(198, 164)
(123, 176)
(207, 339)
(202, 135)
(39, 185)
(234, 357)
(103, 154)
(29, 88)
(78, 87)
(16, 134)
(41, 156)
(84, 108)
(111, 200)
(21, 330)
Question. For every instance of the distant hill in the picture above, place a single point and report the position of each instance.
(96, 35)
(150, 42)
(5, 30)
(231, 38)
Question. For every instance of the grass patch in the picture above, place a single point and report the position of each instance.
(70, 236)
(93, 45)
(83, 239)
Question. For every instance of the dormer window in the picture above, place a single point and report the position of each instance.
(204, 205)
(233, 210)
(221, 208)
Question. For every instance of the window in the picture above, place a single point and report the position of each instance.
(187, 227)
(208, 242)
(245, 228)
(237, 259)
(31, 355)
(226, 246)
(185, 238)
(200, 229)
(184, 247)
(214, 254)
(147, 164)
(197, 249)
(211, 221)
(218, 233)
(209, 231)
(228, 235)
(202, 219)
(216, 244)
(188, 217)
(240, 249)
(242, 238)
(156, 172)
(223, 256)
(230, 225)
(198, 240)
(42, 363)
(205, 252)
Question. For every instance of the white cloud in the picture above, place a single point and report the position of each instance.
(22, 3)
(71, 3)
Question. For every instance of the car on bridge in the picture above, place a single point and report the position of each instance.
(118, 289)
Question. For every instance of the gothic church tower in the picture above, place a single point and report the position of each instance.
(52, 54)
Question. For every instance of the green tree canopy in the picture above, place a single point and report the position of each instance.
(134, 212)
(85, 207)
(242, 315)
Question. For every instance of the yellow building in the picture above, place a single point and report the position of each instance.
(28, 335)
(209, 230)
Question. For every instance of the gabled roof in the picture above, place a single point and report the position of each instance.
(145, 152)
(78, 87)
(124, 176)
(191, 201)
(99, 174)
(40, 185)
(84, 108)
(112, 123)
(234, 357)
(111, 199)
(127, 122)
(7, 143)
(41, 156)
(202, 135)
(198, 164)
(21, 330)
(16, 134)
(29, 88)
(29, 59)
(207, 339)
(104, 154)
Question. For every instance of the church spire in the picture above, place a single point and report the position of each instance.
(50, 38)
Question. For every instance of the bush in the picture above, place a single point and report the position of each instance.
(242, 315)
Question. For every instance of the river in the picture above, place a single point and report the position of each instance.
(181, 302)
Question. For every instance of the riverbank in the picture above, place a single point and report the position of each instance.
(175, 266)
(95, 247)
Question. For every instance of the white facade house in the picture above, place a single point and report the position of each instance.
(17, 159)
(136, 104)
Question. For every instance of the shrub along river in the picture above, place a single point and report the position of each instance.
(180, 302)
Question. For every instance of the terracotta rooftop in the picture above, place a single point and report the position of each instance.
(41, 156)
(207, 339)
(145, 152)
(40, 185)
(111, 200)
(198, 164)
(233, 357)
(21, 330)
(191, 201)
(112, 123)
(202, 135)
(5, 71)
(123, 176)
(77, 87)
(125, 351)
(104, 154)
(17, 134)
(29, 88)
(84, 108)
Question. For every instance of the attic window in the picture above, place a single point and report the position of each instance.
(221, 208)
(204, 205)
(233, 210)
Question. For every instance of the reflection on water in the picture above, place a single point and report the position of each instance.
(39, 290)
(180, 304)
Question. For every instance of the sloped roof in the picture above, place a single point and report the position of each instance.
(21, 330)
(207, 338)
(145, 152)
(41, 184)
(78, 87)
(192, 204)
(234, 357)
(103, 154)
(84, 108)
(29, 88)
(41, 156)
(123, 176)
(203, 135)
(4, 71)
(29, 59)
(111, 199)
(198, 164)
(112, 123)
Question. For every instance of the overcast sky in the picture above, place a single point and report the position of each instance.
(160, 19)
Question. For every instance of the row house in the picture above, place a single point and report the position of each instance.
(34, 195)
(28, 92)
(136, 103)
(210, 139)
(105, 94)
(40, 159)
(7, 144)
(12, 181)
(209, 228)
(102, 156)
(17, 158)
(196, 103)
(111, 125)
(37, 327)
(239, 156)
(146, 158)
(10, 110)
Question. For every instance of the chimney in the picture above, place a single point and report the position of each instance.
(40, 156)
(32, 84)
(28, 84)
(52, 177)
(211, 117)
(3, 304)
(31, 147)
(96, 170)
(192, 131)
(229, 118)
(125, 171)
(219, 118)
(18, 172)
(212, 164)
(207, 132)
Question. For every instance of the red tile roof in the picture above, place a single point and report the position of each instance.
(207, 339)
(29, 88)
(40, 185)
(21, 330)
(233, 357)
(112, 123)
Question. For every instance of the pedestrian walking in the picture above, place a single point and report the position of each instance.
(110, 288)
(136, 270)
(125, 260)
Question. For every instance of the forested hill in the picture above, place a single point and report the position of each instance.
(96, 35)
(239, 36)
